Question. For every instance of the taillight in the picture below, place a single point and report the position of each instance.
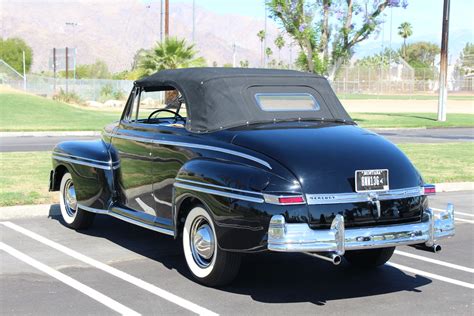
(429, 189)
(291, 200)
(284, 200)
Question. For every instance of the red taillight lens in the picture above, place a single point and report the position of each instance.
(291, 200)
(429, 189)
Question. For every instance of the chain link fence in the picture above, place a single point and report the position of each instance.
(399, 78)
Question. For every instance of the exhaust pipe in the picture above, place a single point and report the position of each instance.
(332, 257)
(435, 248)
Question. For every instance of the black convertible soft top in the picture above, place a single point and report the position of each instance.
(221, 98)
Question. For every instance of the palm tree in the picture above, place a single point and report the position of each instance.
(268, 52)
(173, 53)
(405, 30)
(279, 43)
(261, 37)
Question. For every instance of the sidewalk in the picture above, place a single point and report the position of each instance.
(49, 134)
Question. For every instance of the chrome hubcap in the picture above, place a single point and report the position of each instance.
(202, 242)
(70, 201)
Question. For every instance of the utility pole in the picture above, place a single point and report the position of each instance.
(194, 21)
(443, 65)
(161, 21)
(24, 71)
(54, 68)
(167, 18)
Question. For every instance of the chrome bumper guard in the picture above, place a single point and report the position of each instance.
(301, 238)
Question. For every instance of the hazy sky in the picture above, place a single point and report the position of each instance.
(424, 15)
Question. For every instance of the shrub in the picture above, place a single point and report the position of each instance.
(69, 97)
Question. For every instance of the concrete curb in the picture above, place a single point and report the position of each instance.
(454, 186)
(28, 211)
(49, 134)
(47, 210)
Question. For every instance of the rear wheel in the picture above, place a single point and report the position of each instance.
(72, 215)
(369, 258)
(208, 264)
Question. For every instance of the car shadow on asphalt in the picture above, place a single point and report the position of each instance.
(265, 277)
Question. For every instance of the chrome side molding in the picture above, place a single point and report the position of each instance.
(335, 198)
(191, 145)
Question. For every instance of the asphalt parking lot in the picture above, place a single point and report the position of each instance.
(116, 267)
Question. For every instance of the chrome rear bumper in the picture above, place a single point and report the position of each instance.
(301, 238)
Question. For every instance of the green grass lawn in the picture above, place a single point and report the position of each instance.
(410, 120)
(23, 112)
(447, 162)
(401, 97)
(27, 184)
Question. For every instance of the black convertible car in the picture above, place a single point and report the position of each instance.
(248, 160)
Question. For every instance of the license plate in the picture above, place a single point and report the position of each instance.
(371, 180)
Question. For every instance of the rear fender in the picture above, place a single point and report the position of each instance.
(233, 194)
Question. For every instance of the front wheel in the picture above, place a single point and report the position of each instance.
(72, 215)
(369, 258)
(208, 264)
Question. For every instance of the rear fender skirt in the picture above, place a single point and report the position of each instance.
(92, 170)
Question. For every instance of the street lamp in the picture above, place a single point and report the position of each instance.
(73, 25)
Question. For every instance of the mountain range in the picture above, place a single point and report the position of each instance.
(113, 31)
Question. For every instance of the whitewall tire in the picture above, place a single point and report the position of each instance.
(73, 216)
(208, 264)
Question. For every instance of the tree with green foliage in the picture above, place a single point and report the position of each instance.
(279, 43)
(421, 56)
(465, 64)
(268, 52)
(422, 53)
(244, 64)
(378, 60)
(97, 70)
(405, 30)
(317, 25)
(11, 51)
(261, 36)
(173, 53)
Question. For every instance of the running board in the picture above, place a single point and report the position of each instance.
(119, 213)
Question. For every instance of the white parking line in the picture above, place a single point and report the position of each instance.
(99, 297)
(439, 262)
(457, 218)
(113, 271)
(430, 275)
(463, 220)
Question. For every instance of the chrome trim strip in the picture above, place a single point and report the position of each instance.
(335, 198)
(217, 186)
(268, 198)
(80, 162)
(84, 158)
(190, 145)
(220, 193)
(144, 225)
(93, 210)
(301, 238)
(127, 219)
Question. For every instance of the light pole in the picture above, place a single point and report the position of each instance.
(73, 25)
